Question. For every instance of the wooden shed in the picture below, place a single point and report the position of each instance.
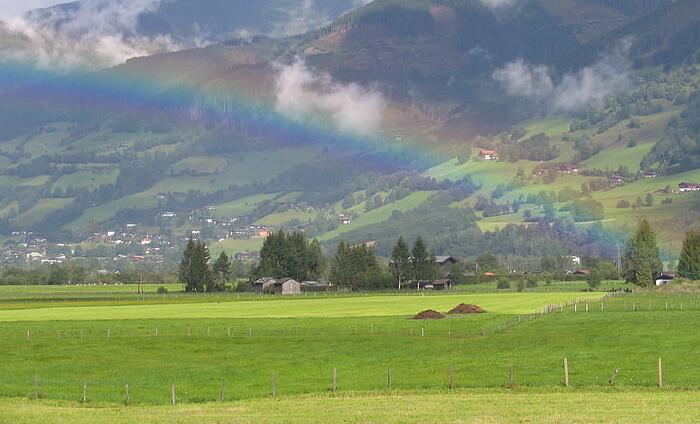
(287, 287)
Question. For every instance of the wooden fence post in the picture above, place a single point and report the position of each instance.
(84, 392)
(173, 399)
(566, 371)
(388, 379)
(335, 380)
(37, 395)
(452, 378)
(511, 375)
(222, 398)
(661, 374)
(274, 384)
(126, 394)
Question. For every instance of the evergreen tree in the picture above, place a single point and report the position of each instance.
(689, 262)
(289, 255)
(194, 270)
(185, 268)
(222, 270)
(641, 262)
(401, 262)
(341, 272)
(201, 272)
(315, 260)
(423, 261)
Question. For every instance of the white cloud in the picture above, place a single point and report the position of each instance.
(575, 91)
(496, 4)
(93, 35)
(13, 8)
(309, 17)
(303, 94)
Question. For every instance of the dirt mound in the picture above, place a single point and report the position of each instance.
(429, 314)
(466, 309)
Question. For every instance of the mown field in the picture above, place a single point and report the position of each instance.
(61, 352)
(464, 406)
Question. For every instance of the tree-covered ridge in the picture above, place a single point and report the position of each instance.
(679, 149)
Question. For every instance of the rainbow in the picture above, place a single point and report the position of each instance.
(112, 93)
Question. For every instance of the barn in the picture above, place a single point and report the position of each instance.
(287, 287)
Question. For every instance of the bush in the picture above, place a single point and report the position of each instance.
(503, 285)
(244, 287)
(623, 204)
(521, 285)
(162, 290)
(531, 281)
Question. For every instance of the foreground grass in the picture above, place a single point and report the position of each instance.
(353, 306)
(628, 334)
(399, 407)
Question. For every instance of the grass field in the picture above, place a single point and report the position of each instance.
(381, 214)
(501, 366)
(397, 407)
(242, 206)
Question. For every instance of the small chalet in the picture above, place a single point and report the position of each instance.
(344, 219)
(665, 278)
(247, 256)
(569, 169)
(488, 155)
(650, 175)
(688, 187)
(616, 180)
(445, 263)
(442, 284)
(541, 172)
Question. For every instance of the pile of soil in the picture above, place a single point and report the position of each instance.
(466, 309)
(429, 314)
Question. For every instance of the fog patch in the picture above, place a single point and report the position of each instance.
(305, 95)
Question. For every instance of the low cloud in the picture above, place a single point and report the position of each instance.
(310, 16)
(496, 4)
(574, 91)
(89, 35)
(303, 94)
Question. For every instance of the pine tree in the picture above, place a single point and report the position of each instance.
(401, 261)
(185, 269)
(341, 272)
(222, 270)
(423, 261)
(689, 262)
(642, 262)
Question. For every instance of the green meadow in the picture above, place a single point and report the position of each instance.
(96, 346)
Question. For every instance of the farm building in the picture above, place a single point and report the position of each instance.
(488, 155)
(313, 286)
(665, 278)
(287, 286)
(445, 263)
(569, 169)
(688, 187)
(616, 179)
(442, 284)
(263, 285)
(283, 286)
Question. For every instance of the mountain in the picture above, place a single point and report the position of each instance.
(208, 20)
(371, 126)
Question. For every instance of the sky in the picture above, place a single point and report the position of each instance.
(12, 8)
